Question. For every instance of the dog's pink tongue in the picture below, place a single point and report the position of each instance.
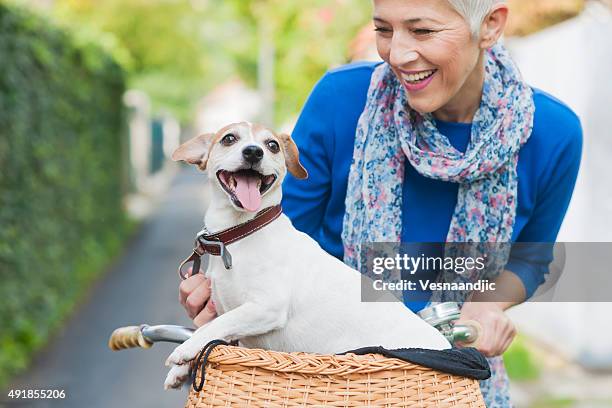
(247, 192)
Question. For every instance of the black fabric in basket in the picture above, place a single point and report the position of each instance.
(466, 362)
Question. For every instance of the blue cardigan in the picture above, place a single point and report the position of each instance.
(325, 133)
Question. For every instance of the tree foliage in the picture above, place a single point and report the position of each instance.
(310, 37)
(181, 49)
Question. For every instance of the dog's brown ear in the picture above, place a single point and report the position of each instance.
(195, 151)
(292, 157)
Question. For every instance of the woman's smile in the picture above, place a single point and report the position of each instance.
(415, 81)
(431, 50)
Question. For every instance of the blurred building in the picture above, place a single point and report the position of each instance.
(573, 61)
(151, 141)
(232, 101)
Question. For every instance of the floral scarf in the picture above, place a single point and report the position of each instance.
(389, 132)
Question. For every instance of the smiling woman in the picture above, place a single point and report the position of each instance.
(436, 49)
(442, 142)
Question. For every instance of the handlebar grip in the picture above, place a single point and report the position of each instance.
(467, 333)
(128, 337)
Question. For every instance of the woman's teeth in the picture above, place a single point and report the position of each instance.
(416, 78)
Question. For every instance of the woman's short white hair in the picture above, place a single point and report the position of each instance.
(474, 11)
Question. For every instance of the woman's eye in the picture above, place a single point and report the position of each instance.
(422, 31)
(273, 146)
(382, 30)
(228, 139)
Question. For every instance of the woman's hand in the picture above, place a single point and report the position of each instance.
(194, 295)
(497, 329)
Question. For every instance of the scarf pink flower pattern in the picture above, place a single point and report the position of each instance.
(389, 132)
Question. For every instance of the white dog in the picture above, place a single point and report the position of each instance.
(283, 292)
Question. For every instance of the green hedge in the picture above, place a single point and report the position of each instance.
(61, 219)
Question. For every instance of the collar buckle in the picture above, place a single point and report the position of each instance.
(223, 252)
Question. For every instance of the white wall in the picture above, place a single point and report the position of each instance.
(573, 61)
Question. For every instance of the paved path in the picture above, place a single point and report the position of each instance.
(140, 288)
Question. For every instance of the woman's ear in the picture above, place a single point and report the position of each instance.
(493, 26)
(195, 151)
(292, 157)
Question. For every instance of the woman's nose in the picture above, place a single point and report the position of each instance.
(402, 54)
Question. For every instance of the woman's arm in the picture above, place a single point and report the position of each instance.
(304, 201)
(532, 254)
(529, 261)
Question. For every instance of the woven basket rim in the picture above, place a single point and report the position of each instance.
(237, 376)
(309, 363)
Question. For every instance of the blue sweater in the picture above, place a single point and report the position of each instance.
(325, 134)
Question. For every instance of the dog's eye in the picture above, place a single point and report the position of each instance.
(229, 139)
(273, 146)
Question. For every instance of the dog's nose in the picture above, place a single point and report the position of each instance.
(252, 154)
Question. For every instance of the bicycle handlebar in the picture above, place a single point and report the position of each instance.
(144, 336)
(466, 333)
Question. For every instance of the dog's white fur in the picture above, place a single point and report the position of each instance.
(284, 292)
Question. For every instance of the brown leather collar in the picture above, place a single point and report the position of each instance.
(215, 244)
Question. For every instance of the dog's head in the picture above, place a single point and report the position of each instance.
(248, 162)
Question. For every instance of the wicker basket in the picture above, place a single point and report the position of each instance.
(240, 377)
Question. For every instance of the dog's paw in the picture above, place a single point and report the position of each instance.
(183, 353)
(177, 375)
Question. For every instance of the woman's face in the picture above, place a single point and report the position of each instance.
(430, 48)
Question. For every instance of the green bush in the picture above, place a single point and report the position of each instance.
(61, 218)
(520, 363)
